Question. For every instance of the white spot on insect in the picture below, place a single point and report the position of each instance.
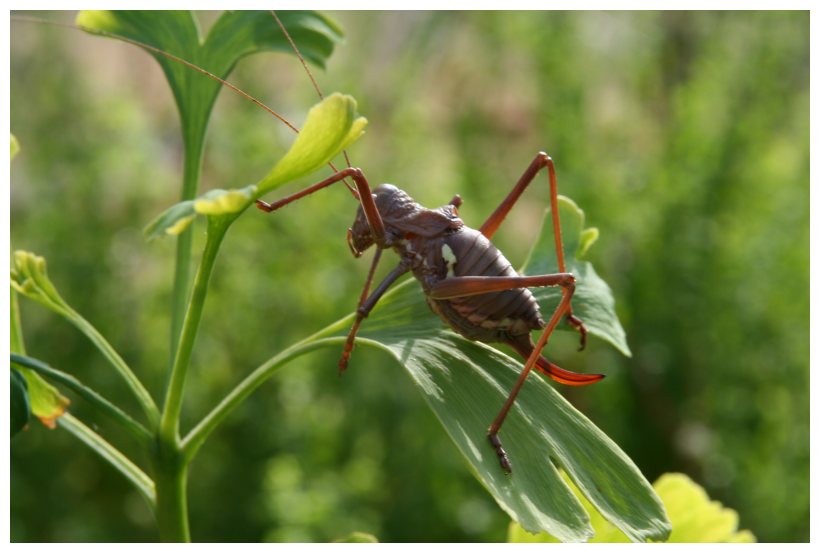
(449, 259)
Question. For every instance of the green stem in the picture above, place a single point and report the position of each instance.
(169, 423)
(108, 452)
(170, 464)
(186, 312)
(197, 436)
(182, 270)
(98, 401)
(171, 473)
(182, 274)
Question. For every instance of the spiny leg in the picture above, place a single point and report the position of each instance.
(495, 427)
(348, 347)
(474, 285)
(367, 305)
(376, 224)
(364, 193)
(456, 287)
(495, 219)
(463, 286)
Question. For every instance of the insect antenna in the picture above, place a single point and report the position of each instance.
(177, 59)
(315, 86)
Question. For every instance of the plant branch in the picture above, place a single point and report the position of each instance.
(197, 436)
(30, 278)
(98, 401)
(132, 472)
(182, 269)
(169, 423)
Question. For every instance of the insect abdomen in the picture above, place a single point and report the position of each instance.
(490, 317)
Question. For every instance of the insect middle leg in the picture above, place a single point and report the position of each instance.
(367, 303)
(497, 217)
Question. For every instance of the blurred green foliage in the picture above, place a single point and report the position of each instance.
(684, 136)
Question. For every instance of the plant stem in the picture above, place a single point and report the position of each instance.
(197, 436)
(169, 422)
(182, 272)
(170, 465)
(108, 452)
(171, 473)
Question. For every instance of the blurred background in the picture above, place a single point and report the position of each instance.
(684, 137)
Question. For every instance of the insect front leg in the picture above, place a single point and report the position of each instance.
(495, 219)
(367, 305)
(364, 194)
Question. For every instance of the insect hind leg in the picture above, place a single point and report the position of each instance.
(493, 222)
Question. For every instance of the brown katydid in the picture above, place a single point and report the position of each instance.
(467, 281)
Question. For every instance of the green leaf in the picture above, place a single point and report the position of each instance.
(593, 301)
(173, 221)
(44, 400)
(20, 406)
(233, 36)
(465, 383)
(15, 146)
(29, 277)
(331, 126)
(178, 217)
(225, 202)
(695, 519)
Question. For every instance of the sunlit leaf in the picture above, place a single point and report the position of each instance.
(466, 383)
(178, 217)
(47, 403)
(172, 221)
(223, 202)
(694, 517)
(331, 126)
